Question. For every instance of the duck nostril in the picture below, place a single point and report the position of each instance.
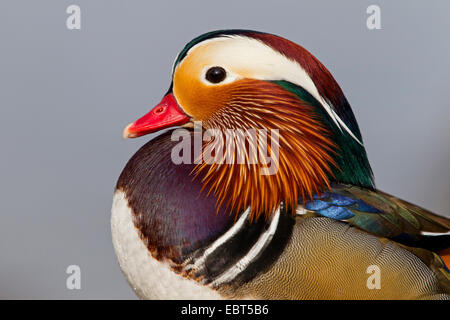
(159, 110)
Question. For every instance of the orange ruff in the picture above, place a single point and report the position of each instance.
(304, 150)
(445, 256)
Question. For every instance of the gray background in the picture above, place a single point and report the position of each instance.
(65, 97)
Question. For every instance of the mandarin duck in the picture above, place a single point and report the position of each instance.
(314, 228)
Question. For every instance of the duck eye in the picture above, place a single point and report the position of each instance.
(216, 74)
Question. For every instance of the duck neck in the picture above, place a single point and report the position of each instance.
(173, 216)
(351, 163)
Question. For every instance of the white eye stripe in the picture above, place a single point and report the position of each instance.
(256, 60)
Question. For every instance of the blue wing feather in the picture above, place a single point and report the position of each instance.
(337, 206)
(378, 213)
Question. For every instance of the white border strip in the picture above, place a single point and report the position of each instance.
(221, 240)
(257, 248)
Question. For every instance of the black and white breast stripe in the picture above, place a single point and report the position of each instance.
(244, 251)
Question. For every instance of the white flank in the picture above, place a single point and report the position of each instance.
(149, 278)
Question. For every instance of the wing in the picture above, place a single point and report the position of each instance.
(421, 232)
(383, 215)
(328, 259)
(311, 256)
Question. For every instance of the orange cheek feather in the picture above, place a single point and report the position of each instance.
(197, 99)
(259, 104)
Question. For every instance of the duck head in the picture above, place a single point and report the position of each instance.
(240, 79)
